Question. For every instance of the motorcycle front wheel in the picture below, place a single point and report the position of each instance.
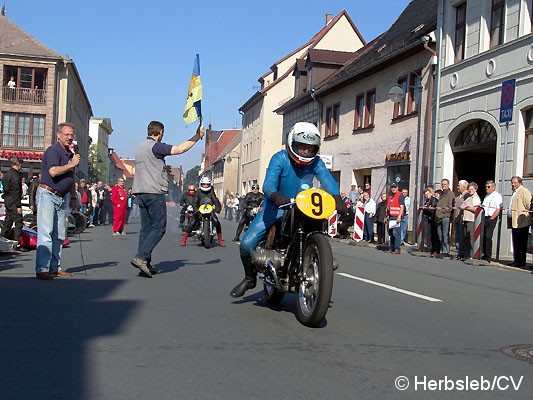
(315, 289)
(206, 233)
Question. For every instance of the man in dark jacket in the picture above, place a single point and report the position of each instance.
(252, 200)
(12, 198)
(444, 211)
(32, 191)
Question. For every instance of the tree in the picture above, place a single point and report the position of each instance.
(96, 170)
(191, 177)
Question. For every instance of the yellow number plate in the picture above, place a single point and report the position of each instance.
(315, 203)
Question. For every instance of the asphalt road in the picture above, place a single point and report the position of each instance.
(108, 334)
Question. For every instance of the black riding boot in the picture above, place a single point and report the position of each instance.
(239, 231)
(248, 282)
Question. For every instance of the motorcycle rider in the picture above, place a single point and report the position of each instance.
(253, 199)
(206, 190)
(187, 199)
(289, 171)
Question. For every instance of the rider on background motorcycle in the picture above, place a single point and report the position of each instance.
(253, 199)
(187, 199)
(206, 190)
(289, 171)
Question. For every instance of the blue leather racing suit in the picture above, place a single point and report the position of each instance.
(289, 179)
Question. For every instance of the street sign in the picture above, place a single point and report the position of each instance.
(507, 101)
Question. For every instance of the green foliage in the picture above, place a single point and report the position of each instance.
(96, 170)
(191, 177)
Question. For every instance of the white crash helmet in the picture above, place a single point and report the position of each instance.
(205, 184)
(305, 133)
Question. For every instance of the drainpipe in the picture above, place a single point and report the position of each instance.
(241, 155)
(435, 128)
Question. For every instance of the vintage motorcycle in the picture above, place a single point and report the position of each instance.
(206, 229)
(296, 256)
(189, 218)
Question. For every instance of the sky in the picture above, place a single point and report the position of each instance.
(135, 58)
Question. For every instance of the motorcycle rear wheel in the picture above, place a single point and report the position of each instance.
(314, 292)
(206, 232)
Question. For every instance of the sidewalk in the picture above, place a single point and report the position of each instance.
(413, 251)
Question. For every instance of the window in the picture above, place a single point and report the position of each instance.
(412, 89)
(22, 131)
(528, 162)
(332, 120)
(496, 23)
(365, 104)
(460, 31)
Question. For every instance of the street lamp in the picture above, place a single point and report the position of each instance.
(397, 94)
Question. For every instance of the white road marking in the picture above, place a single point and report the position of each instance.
(407, 292)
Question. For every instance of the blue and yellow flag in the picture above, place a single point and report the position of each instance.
(193, 106)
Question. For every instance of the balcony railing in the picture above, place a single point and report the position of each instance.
(24, 95)
(21, 141)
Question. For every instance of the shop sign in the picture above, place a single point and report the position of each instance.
(328, 160)
(25, 155)
(401, 156)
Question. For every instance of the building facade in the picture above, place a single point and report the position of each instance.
(40, 89)
(484, 44)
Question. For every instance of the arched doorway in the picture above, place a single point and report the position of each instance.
(474, 152)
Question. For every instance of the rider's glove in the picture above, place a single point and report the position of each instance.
(278, 199)
(340, 205)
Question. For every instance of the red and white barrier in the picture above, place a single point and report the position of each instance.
(420, 230)
(478, 232)
(332, 224)
(359, 224)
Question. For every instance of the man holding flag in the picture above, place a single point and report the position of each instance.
(150, 184)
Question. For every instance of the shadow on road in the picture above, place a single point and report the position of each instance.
(47, 328)
(88, 267)
(11, 260)
(173, 265)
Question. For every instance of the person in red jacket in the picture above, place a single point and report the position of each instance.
(119, 198)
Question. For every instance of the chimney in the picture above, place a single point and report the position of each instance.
(328, 18)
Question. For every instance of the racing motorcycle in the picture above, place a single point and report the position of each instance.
(189, 218)
(206, 229)
(252, 212)
(296, 256)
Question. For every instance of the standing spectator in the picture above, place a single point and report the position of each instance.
(242, 201)
(226, 197)
(119, 200)
(1, 183)
(101, 189)
(462, 187)
(24, 187)
(395, 210)
(150, 185)
(55, 197)
(381, 218)
(367, 188)
(229, 206)
(85, 197)
(492, 204)
(12, 199)
(444, 211)
(130, 204)
(370, 211)
(405, 219)
(519, 221)
(11, 87)
(34, 184)
(429, 206)
(106, 212)
(93, 216)
(469, 207)
(346, 199)
(236, 203)
(353, 194)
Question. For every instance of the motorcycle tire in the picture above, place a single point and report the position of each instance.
(206, 233)
(314, 293)
(272, 295)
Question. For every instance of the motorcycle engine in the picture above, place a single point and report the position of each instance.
(261, 257)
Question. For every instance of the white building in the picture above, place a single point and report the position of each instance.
(99, 131)
(485, 43)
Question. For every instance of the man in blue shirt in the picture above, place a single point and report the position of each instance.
(55, 197)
